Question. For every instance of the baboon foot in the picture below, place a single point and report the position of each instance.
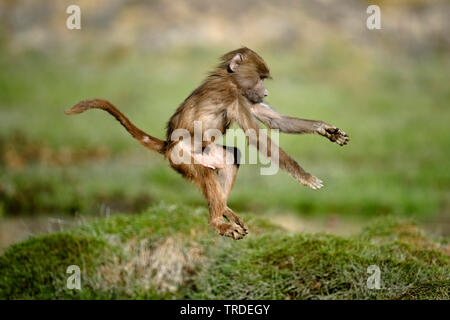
(233, 218)
(231, 230)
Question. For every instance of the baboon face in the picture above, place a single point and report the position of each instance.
(257, 92)
(248, 70)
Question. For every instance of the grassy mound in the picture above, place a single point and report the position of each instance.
(170, 252)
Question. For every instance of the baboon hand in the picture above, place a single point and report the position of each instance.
(333, 134)
(311, 181)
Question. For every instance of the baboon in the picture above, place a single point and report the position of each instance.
(233, 92)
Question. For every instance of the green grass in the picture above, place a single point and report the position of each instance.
(169, 252)
(395, 111)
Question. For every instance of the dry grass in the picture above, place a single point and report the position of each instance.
(164, 266)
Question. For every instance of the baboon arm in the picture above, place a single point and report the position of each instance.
(274, 120)
(271, 150)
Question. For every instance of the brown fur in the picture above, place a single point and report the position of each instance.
(233, 92)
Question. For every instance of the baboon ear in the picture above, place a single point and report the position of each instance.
(235, 62)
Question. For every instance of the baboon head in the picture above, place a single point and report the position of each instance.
(248, 70)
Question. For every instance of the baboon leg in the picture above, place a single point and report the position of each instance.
(227, 176)
(217, 201)
(216, 185)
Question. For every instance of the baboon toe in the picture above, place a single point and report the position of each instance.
(241, 224)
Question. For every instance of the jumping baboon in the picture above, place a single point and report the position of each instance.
(233, 92)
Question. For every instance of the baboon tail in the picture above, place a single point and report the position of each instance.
(145, 139)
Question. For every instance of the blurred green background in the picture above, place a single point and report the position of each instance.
(388, 89)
